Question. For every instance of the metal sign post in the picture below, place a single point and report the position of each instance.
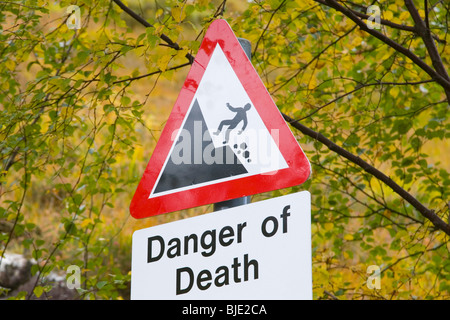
(246, 45)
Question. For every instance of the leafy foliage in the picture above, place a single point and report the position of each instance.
(79, 110)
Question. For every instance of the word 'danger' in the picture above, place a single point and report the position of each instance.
(256, 251)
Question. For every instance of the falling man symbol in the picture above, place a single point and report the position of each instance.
(241, 115)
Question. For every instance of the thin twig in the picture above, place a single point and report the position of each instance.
(427, 213)
(144, 22)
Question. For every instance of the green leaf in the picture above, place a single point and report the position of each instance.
(38, 291)
(101, 284)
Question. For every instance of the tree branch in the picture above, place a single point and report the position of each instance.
(317, 56)
(267, 25)
(425, 33)
(361, 86)
(427, 213)
(382, 21)
(144, 22)
(427, 22)
(424, 211)
(152, 73)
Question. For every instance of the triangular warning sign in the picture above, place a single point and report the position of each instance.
(224, 139)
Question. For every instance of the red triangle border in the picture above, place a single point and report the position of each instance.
(299, 167)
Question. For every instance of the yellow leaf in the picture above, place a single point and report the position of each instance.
(38, 291)
(10, 64)
(321, 15)
(392, 7)
(168, 75)
(388, 15)
(397, 20)
(321, 277)
(394, 91)
(305, 56)
(320, 64)
(404, 15)
(163, 62)
(356, 41)
(312, 84)
(5, 85)
(348, 237)
(178, 14)
(159, 12)
(303, 4)
(86, 222)
(422, 13)
(318, 292)
(158, 29)
(328, 226)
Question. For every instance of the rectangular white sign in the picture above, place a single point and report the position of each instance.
(257, 251)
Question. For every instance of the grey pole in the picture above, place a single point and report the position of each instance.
(246, 45)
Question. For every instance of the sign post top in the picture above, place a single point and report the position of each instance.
(225, 137)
